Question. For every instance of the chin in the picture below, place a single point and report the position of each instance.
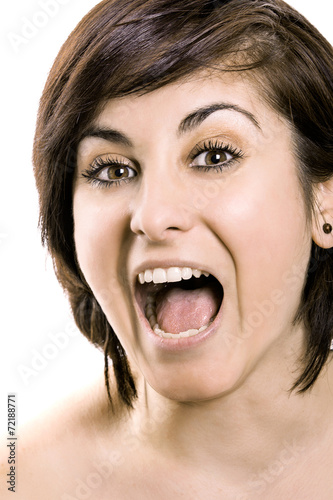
(197, 380)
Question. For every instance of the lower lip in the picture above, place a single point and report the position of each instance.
(181, 344)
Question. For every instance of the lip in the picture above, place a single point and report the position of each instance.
(181, 344)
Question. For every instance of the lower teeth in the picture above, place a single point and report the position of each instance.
(151, 316)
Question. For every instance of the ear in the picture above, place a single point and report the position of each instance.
(323, 214)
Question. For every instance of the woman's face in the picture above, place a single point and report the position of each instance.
(195, 178)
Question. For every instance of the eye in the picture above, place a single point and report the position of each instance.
(109, 170)
(214, 155)
(212, 158)
(116, 173)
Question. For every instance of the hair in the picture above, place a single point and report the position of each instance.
(124, 47)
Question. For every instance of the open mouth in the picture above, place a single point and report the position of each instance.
(178, 302)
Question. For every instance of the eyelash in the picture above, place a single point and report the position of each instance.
(208, 146)
(216, 145)
(98, 165)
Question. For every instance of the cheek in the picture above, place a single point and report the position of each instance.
(99, 240)
(261, 220)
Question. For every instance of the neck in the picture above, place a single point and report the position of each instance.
(243, 430)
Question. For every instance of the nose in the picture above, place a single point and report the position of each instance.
(161, 209)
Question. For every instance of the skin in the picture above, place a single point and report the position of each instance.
(235, 224)
(217, 416)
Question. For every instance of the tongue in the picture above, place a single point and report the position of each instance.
(181, 310)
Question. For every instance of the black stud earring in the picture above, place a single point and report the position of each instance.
(327, 228)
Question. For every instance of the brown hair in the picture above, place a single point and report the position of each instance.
(123, 47)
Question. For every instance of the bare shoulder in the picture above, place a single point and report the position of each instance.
(65, 446)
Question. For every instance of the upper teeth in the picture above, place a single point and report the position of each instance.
(170, 275)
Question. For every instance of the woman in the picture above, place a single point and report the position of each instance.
(183, 156)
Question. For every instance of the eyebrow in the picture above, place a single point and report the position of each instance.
(188, 123)
(107, 134)
(198, 116)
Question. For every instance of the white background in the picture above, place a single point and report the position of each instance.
(34, 311)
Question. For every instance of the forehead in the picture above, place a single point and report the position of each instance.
(169, 105)
(203, 103)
